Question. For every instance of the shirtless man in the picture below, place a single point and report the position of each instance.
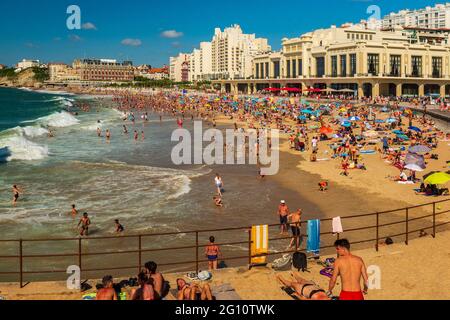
(145, 291)
(136, 135)
(283, 213)
(99, 132)
(108, 136)
(294, 220)
(85, 223)
(156, 277)
(107, 292)
(351, 269)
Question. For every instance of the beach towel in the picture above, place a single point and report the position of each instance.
(405, 182)
(337, 225)
(260, 243)
(313, 244)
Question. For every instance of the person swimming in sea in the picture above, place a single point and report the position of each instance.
(16, 194)
(125, 130)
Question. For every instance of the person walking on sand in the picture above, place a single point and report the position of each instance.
(283, 213)
(350, 269)
(295, 222)
(85, 222)
(212, 252)
(219, 184)
(16, 194)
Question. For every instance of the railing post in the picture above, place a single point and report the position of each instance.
(378, 231)
(196, 252)
(21, 262)
(140, 254)
(407, 226)
(79, 257)
(250, 247)
(434, 219)
(297, 237)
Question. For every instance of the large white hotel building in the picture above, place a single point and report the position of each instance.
(437, 17)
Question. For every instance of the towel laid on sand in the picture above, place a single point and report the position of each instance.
(225, 292)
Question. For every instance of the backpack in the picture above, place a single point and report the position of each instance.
(300, 261)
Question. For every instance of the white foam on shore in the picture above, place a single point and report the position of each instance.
(19, 148)
(58, 120)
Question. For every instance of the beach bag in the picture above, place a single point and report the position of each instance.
(204, 275)
(300, 261)
(389, 241)
(282, 264)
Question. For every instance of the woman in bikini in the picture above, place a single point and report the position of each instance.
(187, 291)
(304, 290)
(212, 252)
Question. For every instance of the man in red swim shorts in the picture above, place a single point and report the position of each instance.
(351, 269)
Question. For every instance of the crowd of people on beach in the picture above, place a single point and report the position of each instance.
(342, 130)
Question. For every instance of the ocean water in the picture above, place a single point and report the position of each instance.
(135, 182)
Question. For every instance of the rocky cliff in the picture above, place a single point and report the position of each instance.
(25, 78)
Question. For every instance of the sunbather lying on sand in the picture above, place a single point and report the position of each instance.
(193, 292)
(304, 290)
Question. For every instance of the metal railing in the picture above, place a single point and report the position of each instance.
(139, 250)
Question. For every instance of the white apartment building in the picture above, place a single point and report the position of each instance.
(25, 64)
(177, 67)
(200, 64)
(233, 52)
(437, 17)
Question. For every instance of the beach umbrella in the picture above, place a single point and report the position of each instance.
(412, 158)
(414, 129)
(438, 178)
(326, 130)
(346, 124)
(379, 121)
(307, 111)
(391, 120)
(403, 137)
(397, 132)
(419, 149)
(354, 118)
(414, 167)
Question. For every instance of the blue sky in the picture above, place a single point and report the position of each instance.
(150, 31)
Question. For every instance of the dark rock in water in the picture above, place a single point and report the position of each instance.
(5, 153)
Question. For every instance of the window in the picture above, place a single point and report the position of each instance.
(294, 68)
(437, 67)
(373, 64)
(353, 64)
(320, 66)
(416, 66)
(276, 69)
(334, 66)
(300, 67)
(348, 35)
(396, 63)
(343, 65)
(288, 68)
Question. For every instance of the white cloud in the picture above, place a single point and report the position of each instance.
(171, 34)
(74, 38)
(132, 42)
(88, 26)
